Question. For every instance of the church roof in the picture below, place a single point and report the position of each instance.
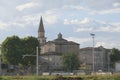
(61, 41)
(95, 48)
(41, 27)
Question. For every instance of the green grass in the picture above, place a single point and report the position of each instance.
(85, 77)
(26, 77)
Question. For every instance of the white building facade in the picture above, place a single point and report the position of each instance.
(117, 66)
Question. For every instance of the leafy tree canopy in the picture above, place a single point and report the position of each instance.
(13, 49)
(114, 56)
(71, 62)
(29, 48)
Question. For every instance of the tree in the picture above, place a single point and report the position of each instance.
(114, 56)
(13, 49)
(30, 44)
(70, 62)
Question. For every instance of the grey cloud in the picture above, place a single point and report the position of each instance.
(93, 25)
(100, 4)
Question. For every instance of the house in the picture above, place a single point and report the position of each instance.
(117, 66)
(101, 58)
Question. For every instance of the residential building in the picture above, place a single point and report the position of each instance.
(117, 66)
(101, 58)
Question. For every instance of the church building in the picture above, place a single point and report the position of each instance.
(51, 51)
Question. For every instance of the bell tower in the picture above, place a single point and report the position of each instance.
(41, 33)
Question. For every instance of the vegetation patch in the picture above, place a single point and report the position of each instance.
(59, 77)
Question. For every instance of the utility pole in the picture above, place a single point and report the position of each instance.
(37, 64)
(37, 60)
(49, 61)
(93, 52)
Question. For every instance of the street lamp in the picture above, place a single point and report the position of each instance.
(93, 35)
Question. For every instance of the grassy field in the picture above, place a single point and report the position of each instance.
(85, 77)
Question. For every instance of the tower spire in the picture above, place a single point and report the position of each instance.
(41, 33)
(41, 26)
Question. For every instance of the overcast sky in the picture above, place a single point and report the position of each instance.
(75, 19)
